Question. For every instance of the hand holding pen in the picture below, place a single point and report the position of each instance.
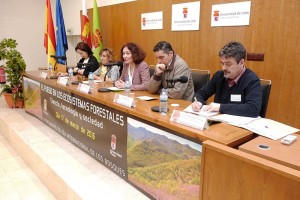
(196, 105)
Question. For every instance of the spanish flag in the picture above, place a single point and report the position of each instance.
(85, 25)
(97, 37)
(49, 35)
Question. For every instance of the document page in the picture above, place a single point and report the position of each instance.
(202, 112)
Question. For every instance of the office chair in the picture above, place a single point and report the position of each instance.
(151, 70)
(200, 78)
(265, 91)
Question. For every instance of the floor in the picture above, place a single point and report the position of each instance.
(17, 180)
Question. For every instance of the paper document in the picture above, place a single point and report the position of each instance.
(233, 119)
(145, 98)
(270, 128)
(115, 89)
(261, 126)
(202, 112)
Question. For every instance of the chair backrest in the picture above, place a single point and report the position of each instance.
(265, 91)
(60, 68)
(200, 78)
(151, 70)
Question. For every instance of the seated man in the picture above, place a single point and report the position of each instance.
(171, 67)
(236, 88)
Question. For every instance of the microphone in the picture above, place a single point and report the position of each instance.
(182, 79)
(84, 64)
(58, 57)
(119, 63)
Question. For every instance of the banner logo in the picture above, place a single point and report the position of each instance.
(113, 142)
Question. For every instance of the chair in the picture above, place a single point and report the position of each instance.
(265, 91)
(200, 78)
(151, 70)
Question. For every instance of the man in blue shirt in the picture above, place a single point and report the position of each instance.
(236, 88)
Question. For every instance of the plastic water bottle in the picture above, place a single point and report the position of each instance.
(91, 81)
(127, 87)
(70, 73)
(163, 105)
(50, 70)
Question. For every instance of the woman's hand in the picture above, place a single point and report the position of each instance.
(119, 84)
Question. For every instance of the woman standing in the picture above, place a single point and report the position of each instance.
(135, 69)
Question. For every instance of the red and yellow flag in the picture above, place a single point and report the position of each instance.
(85, 25)
(49, 34)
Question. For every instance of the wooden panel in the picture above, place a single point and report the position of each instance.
(287, 155)
(227, 173)
(274, 30)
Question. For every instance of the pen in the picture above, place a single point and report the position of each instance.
(195, 98)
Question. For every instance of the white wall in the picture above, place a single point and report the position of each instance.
(24, 21)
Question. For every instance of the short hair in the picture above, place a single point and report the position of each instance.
(84, 47)
(235, 50)
(138, 54)
(110, 54)
(166, 47)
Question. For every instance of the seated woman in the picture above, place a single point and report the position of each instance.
(107, 56)
(134, 68)
(88, 63)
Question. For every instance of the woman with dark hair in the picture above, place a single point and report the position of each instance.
(86, 53)
(135, 69)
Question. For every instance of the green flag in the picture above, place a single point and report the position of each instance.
(97, 37)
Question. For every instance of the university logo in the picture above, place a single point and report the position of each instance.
(185, 12)
(113, 142)
(144, 21)
(216, 15)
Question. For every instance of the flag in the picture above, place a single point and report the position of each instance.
(97, 37)
(61, 37)
(49, 35)
(85, 25)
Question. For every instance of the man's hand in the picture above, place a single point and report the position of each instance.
(212, 107)
(196, 106)
(159, 69)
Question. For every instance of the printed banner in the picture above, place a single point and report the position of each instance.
(186, 16)
(96, 129)
(152, 21)
(231, 14)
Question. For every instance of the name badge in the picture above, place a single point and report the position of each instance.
(235, 98)
(124, 100)
(83, 88)
(188, 119)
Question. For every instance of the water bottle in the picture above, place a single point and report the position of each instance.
(163, 105)
(50, 70)
(127, 87)
(70, 73)
(91, 82)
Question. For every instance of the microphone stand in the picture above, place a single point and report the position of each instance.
(104, 79)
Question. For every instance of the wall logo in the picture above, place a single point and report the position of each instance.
(185, 12)
(216, 15)
(144, 21)
(113, 142)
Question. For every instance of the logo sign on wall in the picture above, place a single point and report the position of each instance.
(231, 14)
(186, 16)
(152, 21)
